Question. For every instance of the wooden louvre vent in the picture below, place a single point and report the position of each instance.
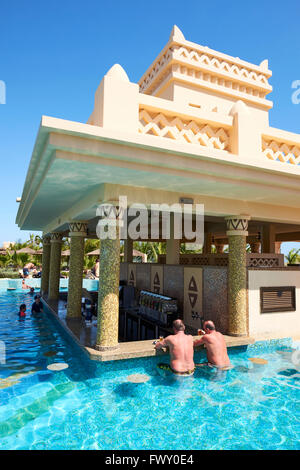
(277, 299)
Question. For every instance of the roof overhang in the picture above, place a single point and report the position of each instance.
(76, 166)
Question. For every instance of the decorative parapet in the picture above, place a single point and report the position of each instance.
(188, 131)
(191, 62)
(259, 260)
(265, 260)
(160, 118)
(282, 149)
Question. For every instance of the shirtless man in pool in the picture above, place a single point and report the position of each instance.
(216, 349)
(181, 351)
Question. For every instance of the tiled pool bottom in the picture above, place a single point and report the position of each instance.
(92, 405)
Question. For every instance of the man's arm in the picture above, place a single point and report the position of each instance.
(200, 341)
(162, 344)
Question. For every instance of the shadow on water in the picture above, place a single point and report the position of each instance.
(129, 390)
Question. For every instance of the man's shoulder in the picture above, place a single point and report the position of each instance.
(190, 337)
(169, 338)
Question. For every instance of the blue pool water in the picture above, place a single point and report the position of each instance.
(90, 284)
(93, 406)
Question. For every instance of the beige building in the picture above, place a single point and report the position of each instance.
(195, 127)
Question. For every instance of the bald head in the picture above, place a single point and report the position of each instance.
(209, 325)
(178, 325)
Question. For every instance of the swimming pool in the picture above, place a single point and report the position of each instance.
(90, 284)
(92, 405)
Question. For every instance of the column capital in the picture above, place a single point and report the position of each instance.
(46, 239)
(237, 224)
(78, 228)
(111, 209)
(56, 237)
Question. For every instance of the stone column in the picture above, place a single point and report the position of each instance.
(108, 296)
(45, 264)
(237, 275)
(128, 247)
(278, 247)
(54, 272)
(207, 243)
(77, 234)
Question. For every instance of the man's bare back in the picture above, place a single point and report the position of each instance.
(216, 349)
(181, 351)
(181, 348)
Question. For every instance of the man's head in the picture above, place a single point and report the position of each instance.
(209, 327)
(37, 298)
(31, 289)
(178, 325)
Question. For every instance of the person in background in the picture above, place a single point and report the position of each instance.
(88, 309)
(25, 272)
(97, 268)
(22, 311)
(216, 349)
(27, 268)
(31, 291)
(37, 306)
(82, 306)
(24, 285)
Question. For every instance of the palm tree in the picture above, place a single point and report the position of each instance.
(16, 259)
(293, 256)
(151, 249)
(88, 262)
(91, 245)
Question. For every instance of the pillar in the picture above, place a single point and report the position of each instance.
(237, 275)
(45, 264)
(268, 239)
(108, 296)
(278, 247)
(77, 234)
(207, 243)
(128, 250)
(54, 272)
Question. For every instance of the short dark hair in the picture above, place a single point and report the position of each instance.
(22, 306)
(178, 325)
(209, 325)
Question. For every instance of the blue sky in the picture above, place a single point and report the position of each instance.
(54, 54)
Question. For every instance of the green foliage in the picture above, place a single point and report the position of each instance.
(91, 245)
(184, 249)
(293, 256)
(88, 262)
(9, 273)
(151, 249)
